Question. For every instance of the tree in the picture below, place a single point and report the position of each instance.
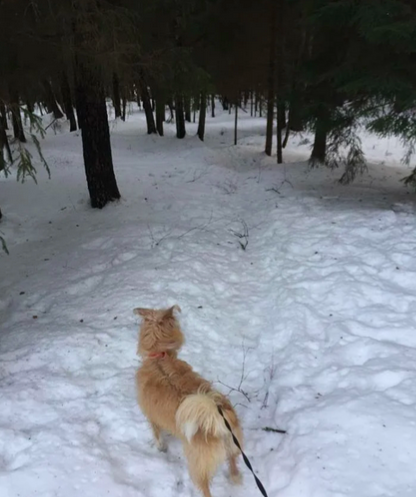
(202, 116)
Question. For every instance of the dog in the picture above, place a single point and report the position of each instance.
(177, 400)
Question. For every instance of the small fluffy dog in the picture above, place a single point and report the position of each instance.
(177, 400)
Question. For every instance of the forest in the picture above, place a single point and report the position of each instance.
(326, 66)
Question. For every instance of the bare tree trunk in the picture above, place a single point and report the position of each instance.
(67, 102)
(123, 106)
(3, 116)
(4, 143)
(280, 126)
(295, 117)
(160, 113)
(180, 117)
(51, 100)
(137, 88)
(235, 122)
(147, 105)
(16, 116)
(319, 145)
(116, 96)
(212, 105)
(202, 116)
(246, 96)
(271, 78)
(92, 115)
(170, 105)
(282, 109)
(187, 102)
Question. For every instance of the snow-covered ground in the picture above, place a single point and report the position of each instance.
(310, 329)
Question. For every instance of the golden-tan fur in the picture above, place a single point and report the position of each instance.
(177, 400)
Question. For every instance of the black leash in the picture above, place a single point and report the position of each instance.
(248, 464)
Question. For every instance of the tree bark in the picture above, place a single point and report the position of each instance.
(235, 122)
(202, 116)
(295, 117)
(180, 118)
(318, 154)
(3, 116)
(147, 105)
(187, 102)
(92, 116)
(51, 100)
(170, 105)
(280, 126)
(160, 113)
(67, 102)
(123, 107)
(16, 116)
(281, 108)
(271, 78)
(116, 96)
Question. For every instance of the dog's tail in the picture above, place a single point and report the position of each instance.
(199, 412)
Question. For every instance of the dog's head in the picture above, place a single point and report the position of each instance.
(159, 331)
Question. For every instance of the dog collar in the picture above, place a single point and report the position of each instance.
(157, 355)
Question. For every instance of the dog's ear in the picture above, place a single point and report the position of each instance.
(169, 312)
(139, 311)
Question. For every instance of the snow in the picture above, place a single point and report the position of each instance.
(310, 329)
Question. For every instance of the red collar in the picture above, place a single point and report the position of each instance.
(157, 355)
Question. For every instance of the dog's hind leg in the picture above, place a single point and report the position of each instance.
(235, 474)
(160, 441)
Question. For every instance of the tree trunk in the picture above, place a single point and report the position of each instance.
(281, 108)
(225, 103)
(180, 118)
(123, 107)
(67, 102)
(160, 113)
(4, 143)
(147, 105)
(16, 116)
(280, 75)
(116, 96)
(235, 123)
(3, 116)
(51, 100)
(92, 116)
(30, 107)
(245, 98)
(138, 96)
(319, 145)
(202, 116)
(212, 105)
(170, 105)
(295, 116)
(187, 102)
(280, 126)
(271, 78)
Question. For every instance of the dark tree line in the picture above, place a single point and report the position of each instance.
(328, 66)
